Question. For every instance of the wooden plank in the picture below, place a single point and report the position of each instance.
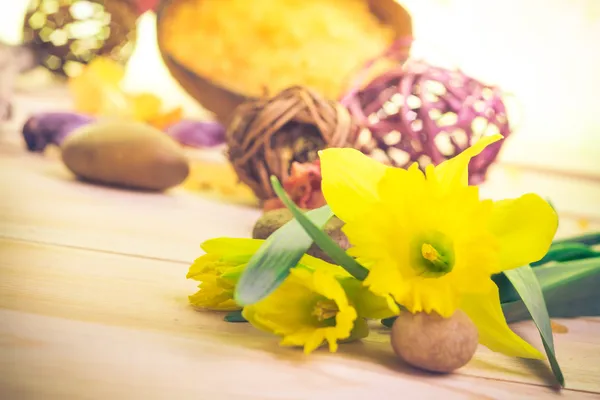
(60, 301)
(52, 358)
(150, 296)
(42, 202)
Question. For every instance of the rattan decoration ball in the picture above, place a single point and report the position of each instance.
(266, 136)
(67, 34)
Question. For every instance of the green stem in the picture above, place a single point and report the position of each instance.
(327, 244)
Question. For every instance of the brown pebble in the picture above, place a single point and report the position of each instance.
(270, 221)
(126, 154)
(434, 343)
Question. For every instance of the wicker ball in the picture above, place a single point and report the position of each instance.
(266, 136)
(426, 114)
(68, 34)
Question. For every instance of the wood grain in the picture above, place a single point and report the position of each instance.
(51, 358)
(150, 296)
(93, 303)
(43, 202)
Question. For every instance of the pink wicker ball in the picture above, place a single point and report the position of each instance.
(420, 113)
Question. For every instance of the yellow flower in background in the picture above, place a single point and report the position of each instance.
(431, 243)
(98, 91)
(99, 80)
(145, 106)
(314, 306)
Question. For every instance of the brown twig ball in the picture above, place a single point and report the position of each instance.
(266, 136)
(434, 343)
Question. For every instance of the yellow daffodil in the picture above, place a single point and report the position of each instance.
(430, 242)
(307, 309)
(315, 306)
(218, 271)
(226, 258)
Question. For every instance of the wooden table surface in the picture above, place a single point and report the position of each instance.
(93, 303)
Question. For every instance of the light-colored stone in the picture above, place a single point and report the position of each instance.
(433, 343)
(127, 154)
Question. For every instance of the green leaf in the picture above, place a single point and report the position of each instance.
(235, 316)
(505, 288)
(271, 264)
(570, 290)
(590, 239)
(567, 251)
(561, 251)
(327, 244)
(388, 322)
(554, 275)
(559, 271)
(525, 282)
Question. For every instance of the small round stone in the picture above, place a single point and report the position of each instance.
(270, 221)
(434, 343)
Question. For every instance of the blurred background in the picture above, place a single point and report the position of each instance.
(545, 53)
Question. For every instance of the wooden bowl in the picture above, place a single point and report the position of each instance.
(221, 101)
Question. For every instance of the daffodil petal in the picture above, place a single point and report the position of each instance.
(213, 297)
(455, 171)
(315, 341)
(275, 312)
(202, 265)
(366, 303)
(360, 331)
(289, 311)
(300, 338)
(349, 181)
(398, 184)
(313, 264)
(331, 337)
(322, 283)
(494, 333)
(234, 273)
(232, 246)
(524, 228)
(384, 279)
(250, 315)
